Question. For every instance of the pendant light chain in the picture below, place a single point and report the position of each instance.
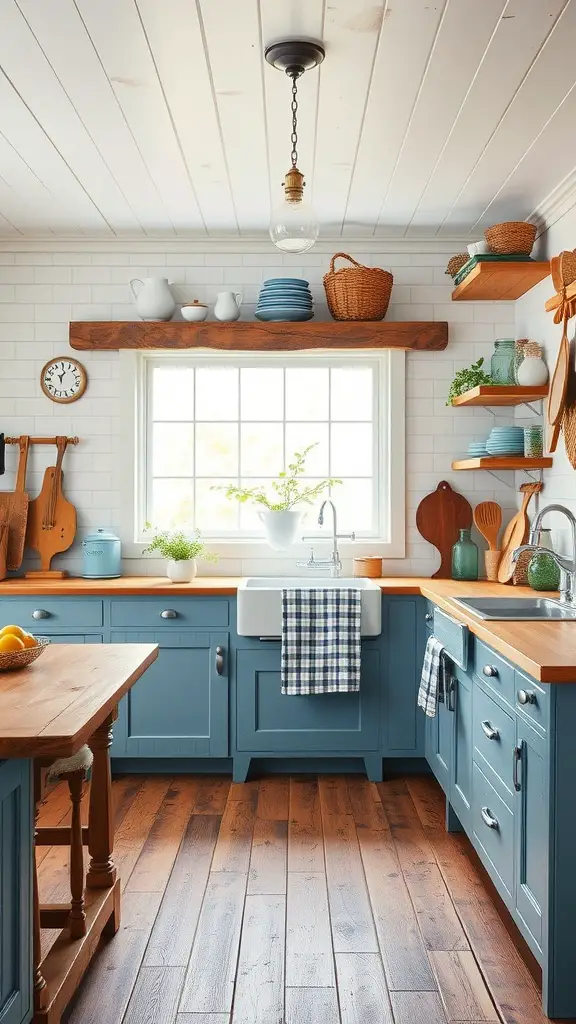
(294, 108)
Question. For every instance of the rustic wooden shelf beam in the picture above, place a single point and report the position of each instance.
(500, 394)
(499, 281)
(259, 337)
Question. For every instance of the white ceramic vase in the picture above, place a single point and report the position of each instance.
(153, 298)
(227, 306)
(282, 528)
(532, 371)
(182, 571)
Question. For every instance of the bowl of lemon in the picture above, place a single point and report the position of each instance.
(19, 648)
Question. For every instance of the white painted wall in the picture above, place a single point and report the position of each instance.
(43, 287)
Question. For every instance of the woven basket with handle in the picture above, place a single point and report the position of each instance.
(357, 293)
(455, 263)
(512, 236)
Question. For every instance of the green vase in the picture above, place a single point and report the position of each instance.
(502, 362)
(543, 572)
(465, 558)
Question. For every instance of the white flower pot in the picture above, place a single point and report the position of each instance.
(182, 571)
(282, 528)
(532, 372)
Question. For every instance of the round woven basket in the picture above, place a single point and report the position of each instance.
(512, 236)
(370, 566)
(357, 293)
(9, 660)
(455, 263)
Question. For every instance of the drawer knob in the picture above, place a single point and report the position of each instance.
(489, 731)
(168, 613)
(490, 670)
(488, 818)
(428, 617)
(40, 613)
(526, 697)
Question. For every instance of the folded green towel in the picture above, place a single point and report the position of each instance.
(490, 257)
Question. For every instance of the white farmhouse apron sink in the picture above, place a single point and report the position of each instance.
(259, 608)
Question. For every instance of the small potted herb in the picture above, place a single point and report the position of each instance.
(180, 552)
(471, 377)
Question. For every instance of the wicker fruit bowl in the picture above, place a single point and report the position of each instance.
(10, 660)
(511, 237)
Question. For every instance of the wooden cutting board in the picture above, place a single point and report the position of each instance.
(51, 518)
(516, 533)
(439, 517)
(14, 508)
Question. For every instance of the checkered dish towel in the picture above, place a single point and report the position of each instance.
(320, 640)
(436, 677)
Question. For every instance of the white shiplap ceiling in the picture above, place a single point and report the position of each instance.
(160, 117)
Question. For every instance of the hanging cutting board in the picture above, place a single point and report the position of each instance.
(439, 518)
(516, 533)
(51, 518)
(14, 509)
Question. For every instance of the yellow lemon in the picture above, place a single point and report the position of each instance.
(9, 642)
(29, 641)
(13, 631)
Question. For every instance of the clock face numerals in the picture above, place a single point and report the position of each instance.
(63, 380)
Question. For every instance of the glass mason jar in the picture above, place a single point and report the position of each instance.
(543, 572)
(502, 362)
(534, 444)
(465, 558)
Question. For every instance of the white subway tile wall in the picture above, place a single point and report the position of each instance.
(40, 292)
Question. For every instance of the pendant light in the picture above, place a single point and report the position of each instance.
(293, 225)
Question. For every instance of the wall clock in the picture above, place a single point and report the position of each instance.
(63, 379)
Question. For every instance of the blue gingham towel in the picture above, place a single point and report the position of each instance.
(436, 677)
(320, 640)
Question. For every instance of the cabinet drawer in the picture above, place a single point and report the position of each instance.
(454, 635)
(493, 752)
(494, 671)
(169, 612)
(42, 614)
(493, 824)
(532, 699)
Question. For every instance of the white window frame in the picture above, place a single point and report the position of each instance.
(134, 431)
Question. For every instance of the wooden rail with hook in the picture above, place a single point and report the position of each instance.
(41, 440)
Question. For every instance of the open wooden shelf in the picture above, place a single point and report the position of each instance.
(245, 336)
(500, 281)
(504, 462)
(500, 394)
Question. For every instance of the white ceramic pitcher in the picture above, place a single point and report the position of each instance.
(282, 528)
(227, 306)
(153, 298)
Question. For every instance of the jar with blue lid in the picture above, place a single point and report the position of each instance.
(102, 556)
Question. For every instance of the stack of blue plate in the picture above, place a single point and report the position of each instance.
(477, 449)
(285, 298)
(506, 441)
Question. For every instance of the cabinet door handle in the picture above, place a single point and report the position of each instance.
(526, 697)
(428, 617)
(490, 671)
(40, 613)
(516, 759)
(219, 660)
(489, 731)
(168, 613)
(488, 818)
(450, 691)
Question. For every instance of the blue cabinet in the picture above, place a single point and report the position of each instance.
(531, 828)
(179, 708)
(402, 644)
(461, 775)
(16, 853)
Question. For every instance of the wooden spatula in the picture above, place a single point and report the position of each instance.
(488, 520)
(516, 533)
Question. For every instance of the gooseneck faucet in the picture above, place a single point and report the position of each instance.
(567, 566)
(334, 563)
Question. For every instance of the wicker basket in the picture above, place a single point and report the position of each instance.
(357, 293)
(513, 236)
(455, 263)
(9, 660)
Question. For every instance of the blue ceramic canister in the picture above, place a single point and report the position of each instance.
(102, 556)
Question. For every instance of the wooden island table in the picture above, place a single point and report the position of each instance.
(49, 710)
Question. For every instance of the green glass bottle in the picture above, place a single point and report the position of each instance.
(465, 558)
(543, 571)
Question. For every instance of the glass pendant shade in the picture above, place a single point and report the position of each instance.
(293, 226)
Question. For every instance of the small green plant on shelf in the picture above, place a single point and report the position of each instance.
(176, 546)
(288, 490)
(471, 377)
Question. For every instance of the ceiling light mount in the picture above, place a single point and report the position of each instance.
(294, 56)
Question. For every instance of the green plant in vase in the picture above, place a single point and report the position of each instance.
(180, 552)
(470, 377)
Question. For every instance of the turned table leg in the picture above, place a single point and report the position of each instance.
(77, 910)
(101, 873)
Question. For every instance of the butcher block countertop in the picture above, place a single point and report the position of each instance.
(55, 705)
(545, 650)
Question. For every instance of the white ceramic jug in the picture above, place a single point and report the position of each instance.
(228, 306)
(154, 300)
(282, 528)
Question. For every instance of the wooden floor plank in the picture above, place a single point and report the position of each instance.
(259, 995)
(133, 831)
(234, 843)
(362, 989)
(267, 875)
(309, 1006)
(309, 955)
(350, 910)
(212, 794)
(366, 804)
(334, 796)
(305, 840)
(153, 867)
(462, 987)
(417, 1008)
(274, 799)
(209, 984)
(175, 926)
(155, 996)
(202, 1018)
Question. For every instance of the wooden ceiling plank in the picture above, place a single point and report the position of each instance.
(116, 31)
(31, 206)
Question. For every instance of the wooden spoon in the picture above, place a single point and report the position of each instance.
(516, 533)
(488, 520)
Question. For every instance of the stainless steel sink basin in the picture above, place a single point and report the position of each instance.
(517, 608)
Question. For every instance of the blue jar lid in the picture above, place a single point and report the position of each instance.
(101, 535)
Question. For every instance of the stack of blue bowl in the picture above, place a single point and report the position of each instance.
(477, 449)
(285, 298)
(506, 441)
